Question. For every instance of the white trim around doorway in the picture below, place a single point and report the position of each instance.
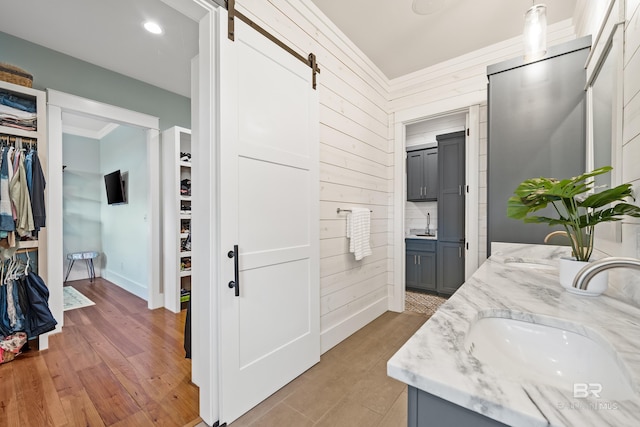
(469, 104)
(59, 102)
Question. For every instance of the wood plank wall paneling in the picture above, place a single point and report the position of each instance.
(354, 159)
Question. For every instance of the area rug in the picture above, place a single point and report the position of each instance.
(426, 304)
(74, 299)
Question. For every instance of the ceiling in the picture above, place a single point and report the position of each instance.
(109, 33)
(399, 41)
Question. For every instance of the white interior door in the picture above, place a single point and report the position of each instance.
(269, 333)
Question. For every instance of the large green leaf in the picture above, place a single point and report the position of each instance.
(603, 198)
(615, 213)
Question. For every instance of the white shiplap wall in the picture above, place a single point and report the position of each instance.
(355, 161)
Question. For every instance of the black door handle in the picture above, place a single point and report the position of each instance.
(236, 282)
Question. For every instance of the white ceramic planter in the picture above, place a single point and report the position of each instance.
(569, 268)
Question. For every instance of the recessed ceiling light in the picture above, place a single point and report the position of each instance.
(153, 27)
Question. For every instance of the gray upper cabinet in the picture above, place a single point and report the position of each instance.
(431, 173)
(536, 127)
(415, 162)
(422, 175)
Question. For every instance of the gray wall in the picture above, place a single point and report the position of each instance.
(125, 228)
(81, 200)
(54, 70)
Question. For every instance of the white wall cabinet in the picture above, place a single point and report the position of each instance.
(176, 185)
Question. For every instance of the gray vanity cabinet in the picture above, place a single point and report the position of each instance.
(428, 410)
(421, 264)
(422, 175)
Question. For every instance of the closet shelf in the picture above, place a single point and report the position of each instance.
(176, 141)
(28, 244)
(8, 130)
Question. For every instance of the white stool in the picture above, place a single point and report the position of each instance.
(88, 259)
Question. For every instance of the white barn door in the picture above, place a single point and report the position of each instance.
(269, 190)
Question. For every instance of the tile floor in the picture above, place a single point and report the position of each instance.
(349, 387)
(421, 302)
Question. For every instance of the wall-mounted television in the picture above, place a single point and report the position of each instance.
(115, 187)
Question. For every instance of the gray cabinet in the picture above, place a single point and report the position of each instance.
(421, 264)
(451, 196)
(451, 206)
(536, 127)
(426, 409)
(422, 175)
(450, 266)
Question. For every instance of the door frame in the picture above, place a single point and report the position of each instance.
(205, 212)
(59, 102)
(469, 104)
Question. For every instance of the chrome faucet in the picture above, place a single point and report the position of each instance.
(584, 276)
(428, 222)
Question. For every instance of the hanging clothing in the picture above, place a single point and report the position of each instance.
(5, 323)
(21, 200)
(28, 165)
(6, 217)
(38, 318)
(37, 195)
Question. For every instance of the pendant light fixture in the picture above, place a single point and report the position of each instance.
(535, 32)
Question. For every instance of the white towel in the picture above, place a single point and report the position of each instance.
(358, 231)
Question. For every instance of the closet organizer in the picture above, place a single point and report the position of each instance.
(24, 309)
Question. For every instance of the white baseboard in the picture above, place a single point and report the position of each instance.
(336, 334)
(126, 284)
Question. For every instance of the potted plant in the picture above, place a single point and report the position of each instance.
(578, 212)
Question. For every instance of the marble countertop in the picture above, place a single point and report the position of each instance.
(412, 236)
(435, 360)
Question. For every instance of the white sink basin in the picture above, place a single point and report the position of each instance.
(546, 354)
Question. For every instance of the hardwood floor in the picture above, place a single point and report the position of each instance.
(119, 364)
(115, 364)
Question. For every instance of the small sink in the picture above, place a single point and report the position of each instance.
(426, 235)
(547, 354)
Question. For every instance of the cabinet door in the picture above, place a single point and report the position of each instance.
(427, 268)
(415, 168)
(431, 174)
(413, 273)
(452, 187)
(450, 266)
